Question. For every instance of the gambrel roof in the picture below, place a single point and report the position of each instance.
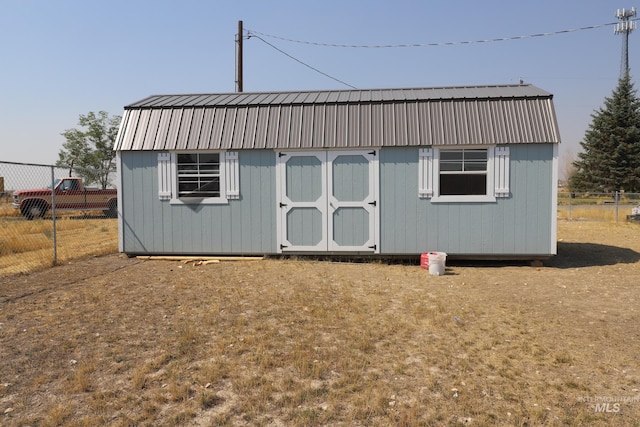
(502, 114)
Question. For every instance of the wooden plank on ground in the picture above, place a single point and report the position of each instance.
(198, 258)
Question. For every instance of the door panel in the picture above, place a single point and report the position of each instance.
(351, 227)
(304, 227)
(353, 207)
(302, 205)
(327, 201)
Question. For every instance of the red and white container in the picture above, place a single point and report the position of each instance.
(424, 260)
(434, 261)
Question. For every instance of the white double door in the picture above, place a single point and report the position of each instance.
(327, 201)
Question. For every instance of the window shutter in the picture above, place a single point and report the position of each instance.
(164, 176)
(501, 167)
(425, 166)
(232, 171)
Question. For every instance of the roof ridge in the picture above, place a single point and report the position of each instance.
(387, 89)
(347, 96)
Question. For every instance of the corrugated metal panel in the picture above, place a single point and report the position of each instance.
(272, 127)
(163, 127)
(262, 126)
(174, 127)
(294, 140)
(125, 128)
(238, 136)
(207, 127)
(193, 141)
(331, 119)
(152, 130)
(284, 122)
(228, 128)
(141, 130)
(184, 129)
(318, 125)
(364, 121)
(342, 125)
(400, 126)
(216, 130)
(250, 128)
(307, 125)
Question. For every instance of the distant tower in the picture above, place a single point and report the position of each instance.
(624, 27)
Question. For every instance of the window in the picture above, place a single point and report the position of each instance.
(467, 174)
(198, 177)
(463, 172)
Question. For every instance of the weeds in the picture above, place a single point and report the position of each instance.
(309, 343)
(27, 246)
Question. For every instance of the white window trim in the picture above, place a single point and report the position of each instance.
(497, 172)
(425, 167)
(168, 179)
(501, 166)
(232, 174)
(165, 176)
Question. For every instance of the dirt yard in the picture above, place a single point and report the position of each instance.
(122, 342)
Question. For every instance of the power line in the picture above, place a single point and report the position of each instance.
(253, 33)
(250, 35)
(257, 34)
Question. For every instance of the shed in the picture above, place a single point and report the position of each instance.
(471, 171)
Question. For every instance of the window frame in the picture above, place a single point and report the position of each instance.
(489, 195)
(201, 175)
(168, 180)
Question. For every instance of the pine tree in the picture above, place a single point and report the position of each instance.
(611, 157)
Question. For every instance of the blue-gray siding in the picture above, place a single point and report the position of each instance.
(245, 226)
(519, 225)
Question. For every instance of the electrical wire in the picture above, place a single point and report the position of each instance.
(253, 33)
(250, 35)
(257, 34)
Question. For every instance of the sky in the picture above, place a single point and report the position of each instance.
(60, 59)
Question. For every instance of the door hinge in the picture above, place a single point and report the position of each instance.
(374, 203)
(282, 205)
(283, 246)
(373, 247)
(373, 153)
(281, 154)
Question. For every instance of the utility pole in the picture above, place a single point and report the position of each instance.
(625, 27)
(239, 38)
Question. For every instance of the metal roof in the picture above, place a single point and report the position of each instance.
(505, 114)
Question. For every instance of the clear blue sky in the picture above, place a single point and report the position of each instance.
(68, 57)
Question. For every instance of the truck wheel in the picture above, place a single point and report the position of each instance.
(33, 210)
(112, 212)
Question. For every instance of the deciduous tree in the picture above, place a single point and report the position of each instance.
(89, 151)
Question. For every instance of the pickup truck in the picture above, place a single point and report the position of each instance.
(70, 195)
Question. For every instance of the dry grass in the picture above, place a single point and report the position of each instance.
(27, 246)
(116, 341)
(595, 212)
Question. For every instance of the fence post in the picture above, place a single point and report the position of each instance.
(569, 210)
(53, 215)
(617, 198)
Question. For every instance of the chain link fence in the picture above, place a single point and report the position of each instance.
(616, 207)
(49, 217)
